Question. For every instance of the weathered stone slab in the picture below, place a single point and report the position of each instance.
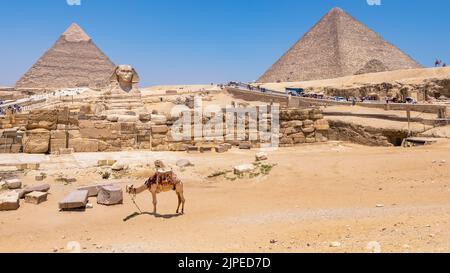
(261, 156)
(9, 201)
(245, 146)
(243, 169)
(221, 149)
(13, 184)
(75, 200)
(40, 188)
(36, 197)
(110, 195)
(93, 189)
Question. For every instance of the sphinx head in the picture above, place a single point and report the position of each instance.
(125, 76)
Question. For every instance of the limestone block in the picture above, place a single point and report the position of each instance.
(286, 140)
(33, 166)
(36, 141)
(75, 200)
(66, 151)
(112, 118)
(160, 129)
(206, 149)
(110, 195)
(177, 147)
(58, 134)
(322, 125)
(94, 189)
(192, 149)
(82, 145)
(261, 156)
(16, 148)
(9, 201)
(74, 134)
(13, 184)
(21, 167)
(299, 140)
(243, 169)
(308, 122)
(221, 149)
(36, 197)
(308, 130)
(126, 118)
(40, 188)
(245, 145)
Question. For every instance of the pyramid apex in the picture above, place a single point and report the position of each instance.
(337, 9)
(76, 34)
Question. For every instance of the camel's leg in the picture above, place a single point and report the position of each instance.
(154, 195)
(181, 200)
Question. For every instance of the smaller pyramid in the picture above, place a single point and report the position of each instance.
(73, 61)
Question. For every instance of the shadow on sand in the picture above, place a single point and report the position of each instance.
(157, 215)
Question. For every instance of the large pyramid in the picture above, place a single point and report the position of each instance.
(338, 45)
(73, 61)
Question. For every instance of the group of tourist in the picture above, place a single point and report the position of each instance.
(439, 63)
(12, 109)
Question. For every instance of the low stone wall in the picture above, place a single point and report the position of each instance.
(53, 131)
(425, 108)
(302, 102)
(258, 96)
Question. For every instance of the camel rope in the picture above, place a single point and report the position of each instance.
(133, 198)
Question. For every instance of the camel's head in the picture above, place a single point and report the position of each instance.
(130, 189)
(159, 164)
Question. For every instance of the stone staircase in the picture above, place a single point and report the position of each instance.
(124, 103)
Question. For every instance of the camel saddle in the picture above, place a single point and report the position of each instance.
(165, 179)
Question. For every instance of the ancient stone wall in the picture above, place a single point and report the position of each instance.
(54, 131)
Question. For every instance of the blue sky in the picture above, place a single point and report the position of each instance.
(203, 41)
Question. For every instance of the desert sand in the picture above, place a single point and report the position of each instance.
(317, 194)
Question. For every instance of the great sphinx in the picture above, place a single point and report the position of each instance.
(122, 96)
(124, 79)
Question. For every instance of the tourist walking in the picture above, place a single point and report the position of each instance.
(437, 63)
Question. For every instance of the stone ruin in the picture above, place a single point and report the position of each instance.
(60, 130)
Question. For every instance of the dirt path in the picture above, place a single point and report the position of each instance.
(315, 195)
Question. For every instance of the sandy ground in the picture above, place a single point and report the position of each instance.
(317, 194)
(408, 76)
(439, 132)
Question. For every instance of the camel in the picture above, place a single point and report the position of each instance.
(163, 181)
